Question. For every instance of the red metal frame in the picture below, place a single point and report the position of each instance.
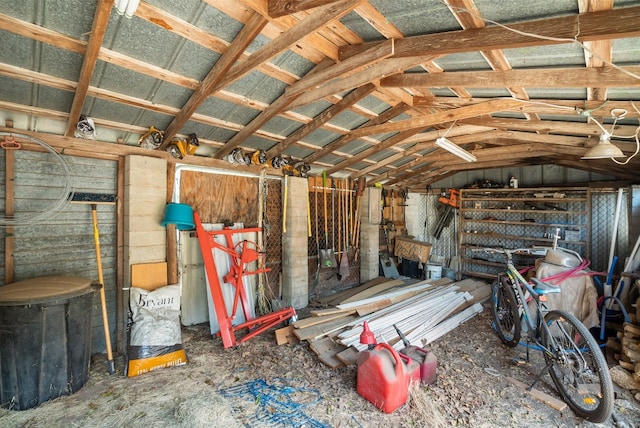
(239, 263)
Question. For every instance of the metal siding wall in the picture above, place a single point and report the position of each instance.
(63, 244)
(528, 176)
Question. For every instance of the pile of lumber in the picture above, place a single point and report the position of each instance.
(423, 311)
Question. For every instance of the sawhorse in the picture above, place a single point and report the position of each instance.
(239, 264)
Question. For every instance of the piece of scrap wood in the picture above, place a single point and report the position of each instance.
(149, 276)
(539, 395)
(328, 311)
(420, 287)
(326, 349)
(311, 321)
(349, 356)
(333, 299)
(322, 329)
(372, 291)
(285, 335)
(376, 306)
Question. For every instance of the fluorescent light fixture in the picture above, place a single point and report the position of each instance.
(604, 149)
(456, 150)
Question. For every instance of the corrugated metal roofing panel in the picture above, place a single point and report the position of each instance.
(361, 27)
(413, 17)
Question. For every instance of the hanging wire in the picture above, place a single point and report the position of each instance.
(539, 36)
(575, 40)
(56, 205)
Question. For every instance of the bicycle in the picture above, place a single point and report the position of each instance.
(573, 357)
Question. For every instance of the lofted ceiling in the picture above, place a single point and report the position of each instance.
(355, 88)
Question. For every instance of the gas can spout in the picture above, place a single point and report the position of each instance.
(367, 337)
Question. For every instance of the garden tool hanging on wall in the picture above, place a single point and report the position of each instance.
(446, 211)
(327, 257)
(344, 259)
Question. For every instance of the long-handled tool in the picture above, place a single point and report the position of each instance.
(326, 254)
(94, 199)
(315, 195)
(284, 206)
(344, 261)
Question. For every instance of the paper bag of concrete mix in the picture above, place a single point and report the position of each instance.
(155, 340)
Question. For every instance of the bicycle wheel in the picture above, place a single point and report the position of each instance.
(577, 366)
(505, 312)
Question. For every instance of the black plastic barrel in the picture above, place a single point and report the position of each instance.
(45, 339)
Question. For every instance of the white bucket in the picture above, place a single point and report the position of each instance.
(434, 271)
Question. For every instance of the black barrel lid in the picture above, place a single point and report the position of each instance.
(44, 288)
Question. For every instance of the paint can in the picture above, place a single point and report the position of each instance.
(434, 271)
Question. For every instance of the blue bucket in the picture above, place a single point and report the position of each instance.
(179, 214)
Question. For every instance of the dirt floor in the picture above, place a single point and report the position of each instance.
(261, 384)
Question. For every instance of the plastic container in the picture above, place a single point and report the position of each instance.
(179, 214)
(383, 378)
(426, 361)
(45, 339)
(411, 268)
(434, 271)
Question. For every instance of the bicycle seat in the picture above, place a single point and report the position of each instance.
(543, 288)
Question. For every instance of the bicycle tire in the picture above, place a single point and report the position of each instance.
(504, 307)
(577, 366)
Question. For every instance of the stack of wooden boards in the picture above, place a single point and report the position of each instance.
(423, 311)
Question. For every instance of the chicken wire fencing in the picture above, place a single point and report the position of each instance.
(603, 210)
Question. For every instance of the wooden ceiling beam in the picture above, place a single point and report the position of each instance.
(441, 117)
(98, 30)
(372, 73)
(249, 32)
(543, 126)
(529, 78)
(278, 8)
(431, 137)
(347, 138)
(326, 70)
(542, 106)
(468, 15)
(597, 53)
(341, 71)
(324, 117)
(560, 30)
(275, 108)
(390, 142)
(308, 25)
(460, 140)
(440, 156)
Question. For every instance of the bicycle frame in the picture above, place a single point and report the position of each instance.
(534, 322)
(572, 356)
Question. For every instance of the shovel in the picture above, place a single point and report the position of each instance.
(327, 258)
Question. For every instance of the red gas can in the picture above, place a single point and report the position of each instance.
(383, 378)
(426, 360)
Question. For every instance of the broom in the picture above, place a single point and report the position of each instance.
(94, 199)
